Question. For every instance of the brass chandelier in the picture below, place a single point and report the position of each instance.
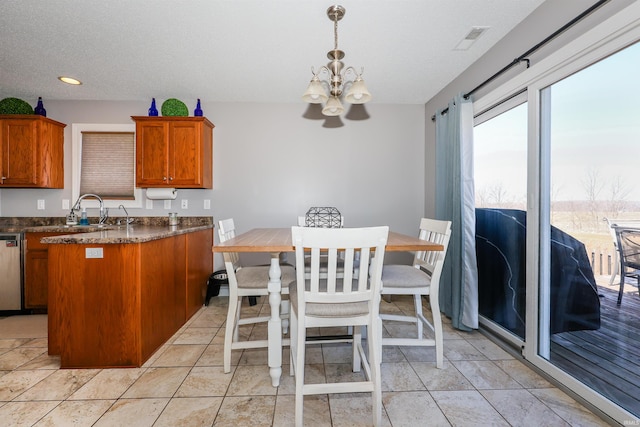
(330, 90)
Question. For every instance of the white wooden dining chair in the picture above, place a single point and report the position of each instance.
(329, 303)
(246, 281)
(420, 278)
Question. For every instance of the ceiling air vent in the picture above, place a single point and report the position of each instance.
(472, 36)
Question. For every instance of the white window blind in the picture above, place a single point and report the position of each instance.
(107, 164)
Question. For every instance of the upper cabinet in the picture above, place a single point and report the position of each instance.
(174, 152)
(31, 151)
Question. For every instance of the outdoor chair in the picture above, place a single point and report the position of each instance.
(628, 240)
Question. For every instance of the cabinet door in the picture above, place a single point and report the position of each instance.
(36, 269)
(19, 153)
(152, 153)
(185, 168)
(36, 279)
(50, 143)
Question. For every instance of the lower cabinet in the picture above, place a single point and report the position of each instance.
(116, 311)
(36, 270)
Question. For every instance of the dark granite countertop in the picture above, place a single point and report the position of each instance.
(125, 234)
(143, 229)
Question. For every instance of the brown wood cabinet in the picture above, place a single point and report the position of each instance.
(174, 152)
(116, 311)
(36, 269)
(31, 151)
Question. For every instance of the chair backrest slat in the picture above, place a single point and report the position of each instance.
(351, 246)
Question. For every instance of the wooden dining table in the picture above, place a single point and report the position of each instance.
(278, 240)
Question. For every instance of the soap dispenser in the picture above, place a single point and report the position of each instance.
(83, 218)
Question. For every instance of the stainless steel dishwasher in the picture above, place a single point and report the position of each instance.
(10, 271)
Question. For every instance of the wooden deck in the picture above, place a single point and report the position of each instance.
(608, 359)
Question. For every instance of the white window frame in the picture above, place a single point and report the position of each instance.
(76, 160)
(617, 32)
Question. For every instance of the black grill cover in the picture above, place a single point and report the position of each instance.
(500, 249)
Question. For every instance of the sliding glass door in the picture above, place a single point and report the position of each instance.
(578, 143)
(590, 146)
(500, 174)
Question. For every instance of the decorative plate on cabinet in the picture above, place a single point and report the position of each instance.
(174, 107)
(15, 106)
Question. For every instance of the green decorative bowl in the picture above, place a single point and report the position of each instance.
(174, 107)
(16, 106)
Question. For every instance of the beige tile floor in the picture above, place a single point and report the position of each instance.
(183, 384)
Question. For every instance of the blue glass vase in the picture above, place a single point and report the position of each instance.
(39, 110)
(153, 111)
(198, 111)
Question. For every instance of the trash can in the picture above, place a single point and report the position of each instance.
(214, 282)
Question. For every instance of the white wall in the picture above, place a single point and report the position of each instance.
(271, 164)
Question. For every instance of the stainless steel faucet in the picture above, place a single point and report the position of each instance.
(104, 213)
(128, 220)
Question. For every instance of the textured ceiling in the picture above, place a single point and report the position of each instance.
(238, 50)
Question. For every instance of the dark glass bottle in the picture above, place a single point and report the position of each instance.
(198, 111)
(153, 111)
(39, 110)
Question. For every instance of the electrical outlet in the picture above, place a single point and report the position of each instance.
(184, 204)
(167, 204)
(40, 204)
(207, 204)
(65, 204)
(93, 253)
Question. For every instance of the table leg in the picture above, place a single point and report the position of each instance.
(275, 326)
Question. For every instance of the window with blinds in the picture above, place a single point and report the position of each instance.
(107, 166)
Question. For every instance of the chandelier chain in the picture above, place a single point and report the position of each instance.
(335, 31)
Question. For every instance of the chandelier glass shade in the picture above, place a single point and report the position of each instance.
(338, 78)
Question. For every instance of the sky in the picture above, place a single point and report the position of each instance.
(595, 132)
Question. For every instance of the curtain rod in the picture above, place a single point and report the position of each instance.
(523, 57)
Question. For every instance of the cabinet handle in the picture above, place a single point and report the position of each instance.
(170, 178)
(164, 178)
(3, 178)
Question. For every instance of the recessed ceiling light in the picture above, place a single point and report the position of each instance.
(69, 80)
(471, 37)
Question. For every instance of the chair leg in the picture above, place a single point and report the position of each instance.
(300, 355)
(417, 301)
(437, 331)
(375, 359)
(230, 330)
(236, 324)
(284, 316)
(293, 345)
(356, 361)
(621, 284)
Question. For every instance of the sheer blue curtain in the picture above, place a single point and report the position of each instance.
(455, 202)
